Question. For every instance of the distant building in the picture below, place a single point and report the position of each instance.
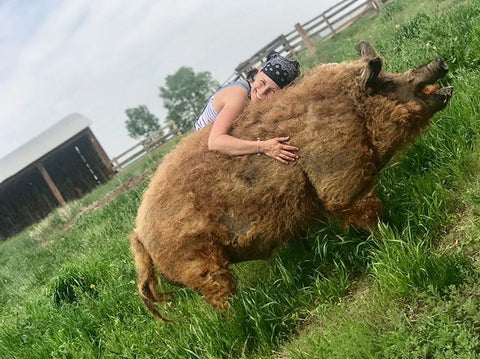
(61, 164)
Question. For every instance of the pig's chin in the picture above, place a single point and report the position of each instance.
(442, 94)
(439, 99)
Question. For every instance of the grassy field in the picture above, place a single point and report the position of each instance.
(67, 284)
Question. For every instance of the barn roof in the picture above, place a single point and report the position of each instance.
(43, 143)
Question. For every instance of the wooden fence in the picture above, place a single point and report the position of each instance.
(320, 28)
(146, 145)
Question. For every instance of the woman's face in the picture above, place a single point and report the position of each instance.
(262, 87)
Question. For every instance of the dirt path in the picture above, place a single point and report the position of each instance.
(110, 196)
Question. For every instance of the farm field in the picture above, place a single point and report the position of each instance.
(67, 284)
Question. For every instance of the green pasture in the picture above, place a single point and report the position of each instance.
(67, 284)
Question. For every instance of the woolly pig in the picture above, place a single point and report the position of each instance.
(205, 210)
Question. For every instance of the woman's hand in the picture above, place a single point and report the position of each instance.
(277, 149)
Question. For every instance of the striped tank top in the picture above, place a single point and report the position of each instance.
(209, 114)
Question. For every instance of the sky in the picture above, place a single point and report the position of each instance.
(99, 58)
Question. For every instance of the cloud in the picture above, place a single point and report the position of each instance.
(99, 58)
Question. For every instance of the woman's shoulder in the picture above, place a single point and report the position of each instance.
(241, 83)
(234, 91)
(238, 84)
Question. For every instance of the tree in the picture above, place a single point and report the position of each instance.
(141, 123)
(185, 94)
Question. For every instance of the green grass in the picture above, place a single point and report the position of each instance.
(67, 284)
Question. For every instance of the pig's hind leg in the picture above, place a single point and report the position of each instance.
(205, 269)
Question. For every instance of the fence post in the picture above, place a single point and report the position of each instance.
(288, 47)
(305, 38)
(116, 164)
(329, 25)
(377, 4)
(175, 127)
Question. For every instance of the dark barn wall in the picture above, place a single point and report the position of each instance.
(96, 162)
(70, 173)
(24, 201)
(75, 168)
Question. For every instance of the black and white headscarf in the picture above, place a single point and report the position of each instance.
(280, 69)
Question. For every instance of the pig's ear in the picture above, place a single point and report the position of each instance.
(366, 50)
(371, 71)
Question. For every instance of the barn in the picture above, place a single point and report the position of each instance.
(61, 164)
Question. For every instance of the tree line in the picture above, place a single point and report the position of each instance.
(184, 95)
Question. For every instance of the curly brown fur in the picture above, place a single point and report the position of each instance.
(147, 279)
(205, 210)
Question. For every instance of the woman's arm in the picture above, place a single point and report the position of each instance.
(220, 139)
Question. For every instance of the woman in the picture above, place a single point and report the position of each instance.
(226, 104)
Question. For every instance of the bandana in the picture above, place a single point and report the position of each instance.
(280, 69)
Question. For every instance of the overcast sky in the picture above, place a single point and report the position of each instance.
(98, 58)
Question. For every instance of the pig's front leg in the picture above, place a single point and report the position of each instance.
(364, 212)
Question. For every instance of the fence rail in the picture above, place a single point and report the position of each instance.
(320, 28)
(146, 145)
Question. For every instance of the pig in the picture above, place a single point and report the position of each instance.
(205, 210)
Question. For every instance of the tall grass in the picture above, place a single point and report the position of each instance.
(425, 296)
(67, 285)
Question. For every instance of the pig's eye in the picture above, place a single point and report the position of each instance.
(387, 86)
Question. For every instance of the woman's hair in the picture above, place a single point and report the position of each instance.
(250, 75)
